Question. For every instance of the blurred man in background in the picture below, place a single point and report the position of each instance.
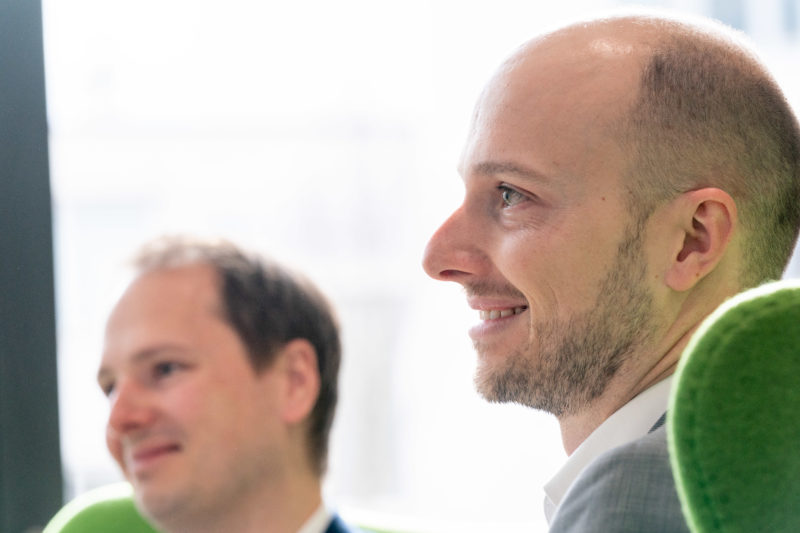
(221, 371)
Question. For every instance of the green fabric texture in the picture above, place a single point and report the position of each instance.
(104, 510)
(734, 416)
(110, 509)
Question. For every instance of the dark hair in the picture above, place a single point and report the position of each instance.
(268, 306)
(709, 115)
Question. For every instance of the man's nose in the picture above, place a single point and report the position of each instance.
(130, 408)
(454, 252)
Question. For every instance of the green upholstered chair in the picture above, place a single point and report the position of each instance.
(108, 509)
(734, 416)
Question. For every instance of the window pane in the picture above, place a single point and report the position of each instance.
(325, 134)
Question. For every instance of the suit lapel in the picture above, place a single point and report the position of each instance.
(337, 526)
(660, 422)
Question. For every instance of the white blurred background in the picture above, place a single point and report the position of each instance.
(324, 134)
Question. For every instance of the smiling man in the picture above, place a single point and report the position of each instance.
(622, 177)
(221, 372)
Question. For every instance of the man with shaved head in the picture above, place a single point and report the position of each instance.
(623, 177)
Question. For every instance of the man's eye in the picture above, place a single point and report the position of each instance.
(165, 369)
(510, 196)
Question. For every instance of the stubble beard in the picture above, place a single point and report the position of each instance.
(566, 364)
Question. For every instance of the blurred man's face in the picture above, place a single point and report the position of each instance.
(191, 425)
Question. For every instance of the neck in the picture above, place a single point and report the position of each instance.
(682, 313)
(639, 374)
(281, 508)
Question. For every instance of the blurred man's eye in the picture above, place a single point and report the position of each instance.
(166, 368)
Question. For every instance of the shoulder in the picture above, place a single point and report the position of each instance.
(626, 490)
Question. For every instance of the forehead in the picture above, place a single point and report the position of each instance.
(555, 105)
(163, 306)
(177, 289)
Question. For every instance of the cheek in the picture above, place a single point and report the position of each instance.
(556, 271)
(530, 263)
(217, 403)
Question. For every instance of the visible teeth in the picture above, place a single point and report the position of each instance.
(494, 314)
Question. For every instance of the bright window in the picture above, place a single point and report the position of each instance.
(326, 135)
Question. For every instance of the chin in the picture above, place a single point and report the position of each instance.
(157, 505)
(486, 379)
(510, 378)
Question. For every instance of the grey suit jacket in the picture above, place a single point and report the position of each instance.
(626, 490)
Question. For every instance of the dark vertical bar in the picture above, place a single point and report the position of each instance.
(30, 463)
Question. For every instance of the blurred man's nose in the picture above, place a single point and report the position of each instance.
(130, 409)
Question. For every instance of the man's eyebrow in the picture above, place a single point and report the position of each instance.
(143, 356)
(490, 168)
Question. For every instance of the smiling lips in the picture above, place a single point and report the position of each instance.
(494, 314)
(142, 458)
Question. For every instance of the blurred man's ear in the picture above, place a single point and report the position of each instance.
(302, 380)
(707, 220)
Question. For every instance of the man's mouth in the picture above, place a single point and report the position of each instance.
(144, 457)
(154, 451)
(494, 314)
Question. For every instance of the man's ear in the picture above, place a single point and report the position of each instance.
(302, 383)
(707, 219)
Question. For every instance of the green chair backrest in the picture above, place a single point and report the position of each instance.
(734, 416)
(108, 509)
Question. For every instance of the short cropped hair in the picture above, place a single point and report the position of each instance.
(709, 115)
(268, 306)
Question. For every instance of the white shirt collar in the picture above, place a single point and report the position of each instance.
(318, 521)
(631, 421)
